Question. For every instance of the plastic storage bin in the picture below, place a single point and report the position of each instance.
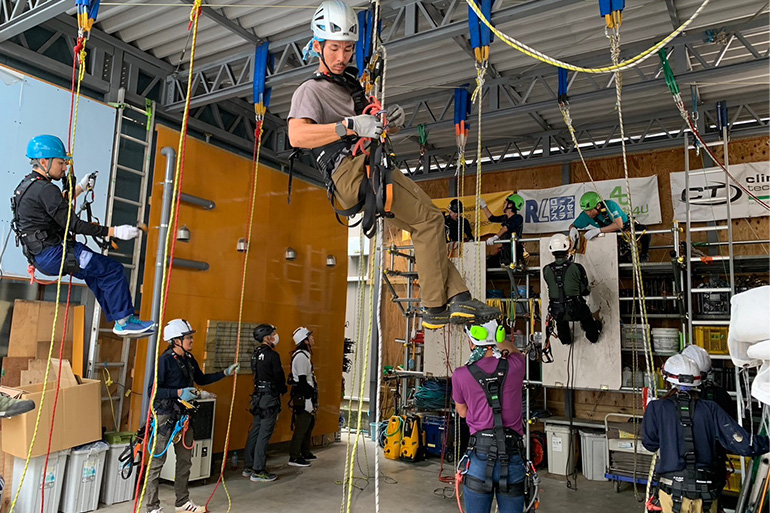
(593, 450)
(114, 488)
(634, 336)
(561, 460)
(665, 340)
(30, 496)
(83, 481)
(712, 338)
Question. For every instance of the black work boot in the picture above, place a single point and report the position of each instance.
(434, 318)
(463, 309)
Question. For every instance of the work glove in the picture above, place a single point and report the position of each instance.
(491, 241)
(126, 232)
(188, 394)
(232, 369)
(574, 235)
(482, 203)
(593, 233)
(365, 125)
(87, 182)
(396, 116)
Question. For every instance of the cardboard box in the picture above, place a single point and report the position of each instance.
(78, 418)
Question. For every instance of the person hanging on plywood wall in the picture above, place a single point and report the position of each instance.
(40, 216)
(567, 287)
(605, 216)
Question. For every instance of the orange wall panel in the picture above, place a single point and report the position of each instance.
(287, 294)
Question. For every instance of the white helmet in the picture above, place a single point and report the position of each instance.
(488, 334)
(335, 20)
(300, 334)
(681, 371)
(700, 356)
(559, 242)
(177, 328)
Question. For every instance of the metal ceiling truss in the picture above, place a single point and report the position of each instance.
(113, 64)
(597, 140)
(409, 26)
(16, 16)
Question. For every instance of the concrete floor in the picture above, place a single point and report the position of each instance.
(404, 488)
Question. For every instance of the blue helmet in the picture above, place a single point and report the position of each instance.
(46, 147)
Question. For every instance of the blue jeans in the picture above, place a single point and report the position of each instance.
(104, 276)
(476, 502)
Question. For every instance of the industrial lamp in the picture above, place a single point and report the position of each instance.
(242, 245)
(290, 254)
(331, 261)
(183, 234)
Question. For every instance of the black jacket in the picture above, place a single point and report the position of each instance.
(452, 229)
(514, 224)
(43, 208)
(662, 430)
(176, 372)
(266, 366)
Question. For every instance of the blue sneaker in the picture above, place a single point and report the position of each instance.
(134, 328)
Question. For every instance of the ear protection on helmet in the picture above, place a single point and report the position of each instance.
(480, 333)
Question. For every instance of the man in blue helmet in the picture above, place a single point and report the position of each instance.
(40, 214)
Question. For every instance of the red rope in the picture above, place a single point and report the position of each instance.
(713, 157)
(56, 396)
(185, 122)
(257, 137)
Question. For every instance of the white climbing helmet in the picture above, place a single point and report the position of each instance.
(488, 334)
(335, 20)
(301, 334)
(700, 356)
(177, 328)
(559, 242)
(681, 371)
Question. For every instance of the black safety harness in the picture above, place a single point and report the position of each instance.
(376, 192)
(301, 391)
(692, 482)
(35, 242)
(261, 387)
(498, 443)
(565, 305)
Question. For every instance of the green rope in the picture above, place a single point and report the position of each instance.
(670, 80)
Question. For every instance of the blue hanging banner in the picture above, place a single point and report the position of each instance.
(563, 85)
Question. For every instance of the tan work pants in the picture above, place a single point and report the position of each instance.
(415, 213)
(688, 505)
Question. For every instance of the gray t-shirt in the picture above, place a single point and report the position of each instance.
(322, 102)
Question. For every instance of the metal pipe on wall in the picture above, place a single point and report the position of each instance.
(195, 265)
(160, 258)
(198, 202)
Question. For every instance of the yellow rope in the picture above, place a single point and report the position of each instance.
(240, 310)
(71, 190)
(481, 70)
(362, 387)
(166, 271)
(627, 64)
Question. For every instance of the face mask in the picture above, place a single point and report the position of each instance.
(277, 338)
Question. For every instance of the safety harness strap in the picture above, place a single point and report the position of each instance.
(692, 482)
(492, 384)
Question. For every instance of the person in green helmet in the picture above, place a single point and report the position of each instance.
(605, 216)
(512, 223)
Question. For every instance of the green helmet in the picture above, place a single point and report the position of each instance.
(589, 200)
(518, 201)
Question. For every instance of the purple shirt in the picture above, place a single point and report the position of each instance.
(467, 391)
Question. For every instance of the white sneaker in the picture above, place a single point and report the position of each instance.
(190, 507)
(159, 510)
